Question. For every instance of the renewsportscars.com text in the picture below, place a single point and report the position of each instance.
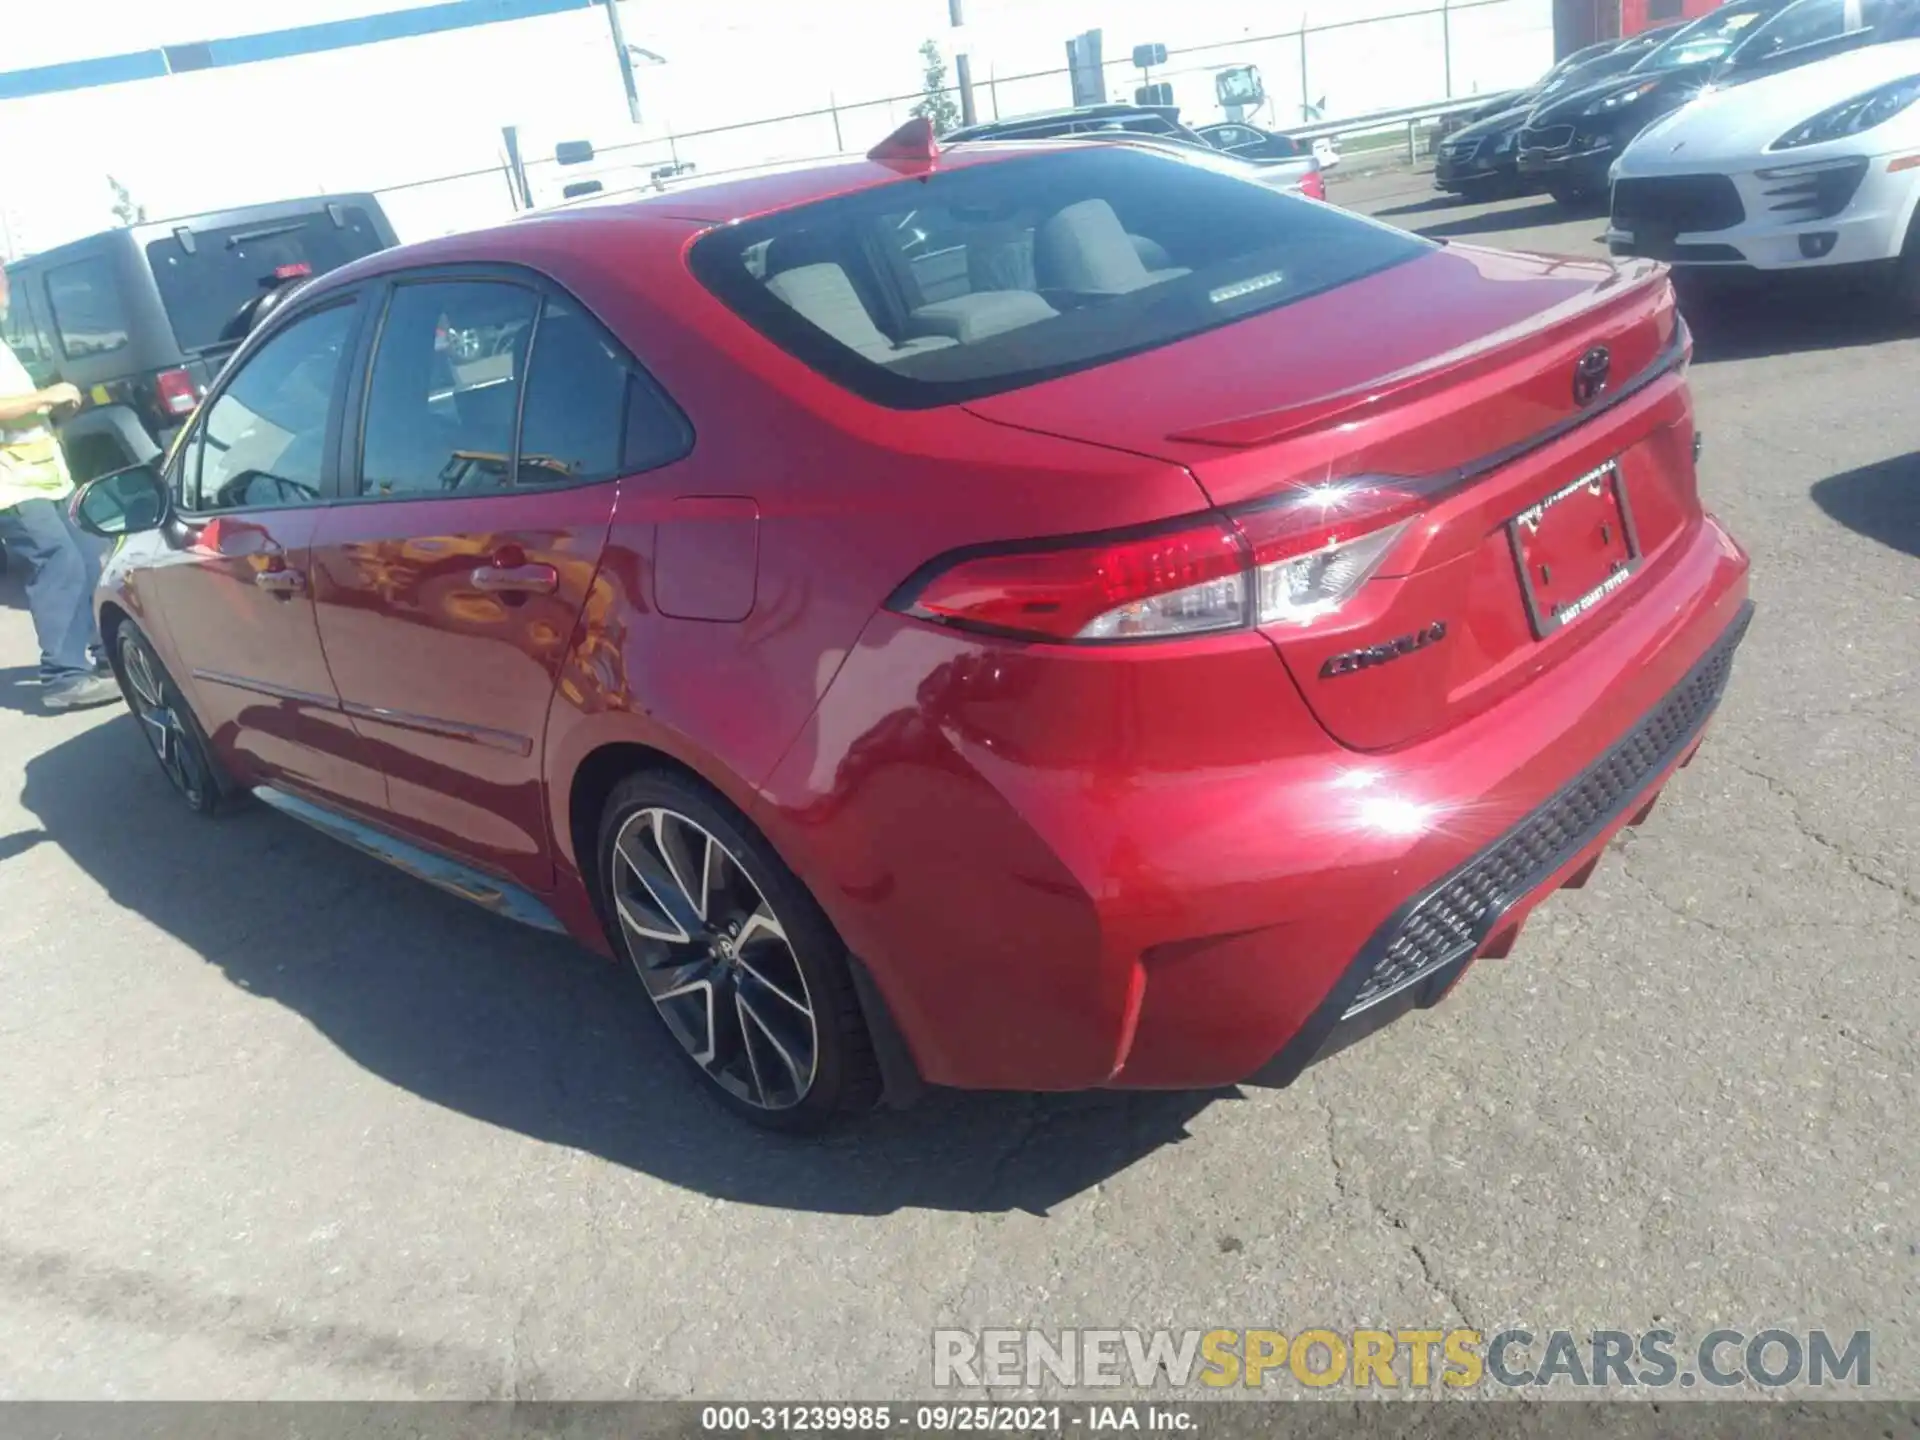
(1401, 1359)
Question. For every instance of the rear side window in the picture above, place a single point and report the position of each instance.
(26, 337)
(445, 389)
(206, 289)
(590, 414)
(985, 278)
(88, 311)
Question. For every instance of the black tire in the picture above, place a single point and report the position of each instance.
(168, 724)
(746, 1016)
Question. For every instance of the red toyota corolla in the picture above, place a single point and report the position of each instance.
(1030, 617)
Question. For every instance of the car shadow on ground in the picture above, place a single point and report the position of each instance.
(529, 1032)
(1537, 213)
(1798, 316)
(1425, 206)
(1880, 501)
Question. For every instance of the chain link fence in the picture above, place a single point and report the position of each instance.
(1325, 71)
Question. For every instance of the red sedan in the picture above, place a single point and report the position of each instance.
(1034, 617)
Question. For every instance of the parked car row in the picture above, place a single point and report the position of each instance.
(1479, 159)
(1566, 134)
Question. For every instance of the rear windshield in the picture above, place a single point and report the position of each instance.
(205, 290)
(982, 279)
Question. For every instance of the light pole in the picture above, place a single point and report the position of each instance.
(625, 56)
(962, 62)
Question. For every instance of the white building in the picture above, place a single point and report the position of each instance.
(405, 111)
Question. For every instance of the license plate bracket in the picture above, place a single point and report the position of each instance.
(1574, 548)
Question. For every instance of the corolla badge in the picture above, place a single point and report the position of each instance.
(1372, 655)
(1590, 375)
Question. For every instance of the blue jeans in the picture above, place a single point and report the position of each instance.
(64, 565)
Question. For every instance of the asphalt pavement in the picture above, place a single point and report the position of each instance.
(277, 1122)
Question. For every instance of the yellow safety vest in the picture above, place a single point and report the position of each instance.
(32, 466)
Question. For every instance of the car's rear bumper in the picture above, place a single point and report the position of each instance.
(1413, 960)
(1500, 812)
(1067, 872)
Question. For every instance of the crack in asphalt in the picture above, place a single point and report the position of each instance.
(1395, 1222)
(1904, 892)
(1033, 1121)
(1689, 916)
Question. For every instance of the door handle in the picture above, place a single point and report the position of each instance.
(516, 579)
(281, 582)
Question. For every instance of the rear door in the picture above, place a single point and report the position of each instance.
(449, 579)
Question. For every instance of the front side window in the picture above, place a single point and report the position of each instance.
(444, 390)
(987, 277)
(262, 443)
(88, 311)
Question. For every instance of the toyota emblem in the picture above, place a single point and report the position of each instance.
(1590, 375)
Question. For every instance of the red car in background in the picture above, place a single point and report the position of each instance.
(1032, 616)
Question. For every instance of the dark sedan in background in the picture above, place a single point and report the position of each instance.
(1570, 143)
(1480, 159)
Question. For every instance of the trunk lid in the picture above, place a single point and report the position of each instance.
(1468, 394)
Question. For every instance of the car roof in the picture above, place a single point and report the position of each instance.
(146, 230)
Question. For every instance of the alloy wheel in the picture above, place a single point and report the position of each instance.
(161, 722)
(715, 958)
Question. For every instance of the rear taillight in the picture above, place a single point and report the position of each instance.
(178, 394)
(1288, 562)
(1314, 549)
(1184, 581)
(1314, 186)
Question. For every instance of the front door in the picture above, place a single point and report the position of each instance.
(450, 578)
(234, 588)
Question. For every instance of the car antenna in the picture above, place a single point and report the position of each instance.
(913, 146)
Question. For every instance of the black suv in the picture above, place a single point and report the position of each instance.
(141, 319)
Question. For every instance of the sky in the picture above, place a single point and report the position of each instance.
(406, 111)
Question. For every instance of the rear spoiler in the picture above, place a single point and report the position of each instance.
(1351, 406)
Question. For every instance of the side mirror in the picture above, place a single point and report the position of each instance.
(126, 502)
